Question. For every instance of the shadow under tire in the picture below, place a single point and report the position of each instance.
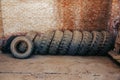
(21, 47)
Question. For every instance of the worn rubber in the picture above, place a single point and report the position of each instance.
(107, 43)
(55, 42)
(76, 40)
(96, 43)
(31, 35)
(37, 43)
(6, 46)
(85, 43)
(44, 42)
(65, 42)
(18, 54)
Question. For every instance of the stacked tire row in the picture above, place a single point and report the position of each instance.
(67, 42)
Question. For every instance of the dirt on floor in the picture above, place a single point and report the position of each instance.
(58, 68)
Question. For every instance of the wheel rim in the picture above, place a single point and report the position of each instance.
(21, 47)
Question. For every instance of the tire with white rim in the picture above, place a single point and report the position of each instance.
(21, 47)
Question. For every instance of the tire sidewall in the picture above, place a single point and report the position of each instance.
(27, 53)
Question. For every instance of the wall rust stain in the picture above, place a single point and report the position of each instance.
(115, 9)
(115, 13)
(41, 15)
(85, 14)
(95, 14)
(1, 24)
(66, 14)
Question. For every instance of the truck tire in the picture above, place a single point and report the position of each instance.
(55, 42)
(6, 47)
(65, 42)
(37, 43)
(31, 35)
(85, 43)
(45, 41)
(21, 47)
(97, 41)
(77, 37)
(107, 43)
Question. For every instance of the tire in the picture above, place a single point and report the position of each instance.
(1, 43)
(6, 47)
(96, 43)
(55, 42)
(31, 35)
(16, 45)
(37, 43)
(77, 37)
(85, 43)
(65, 43)
(44, 42)
(107, 43)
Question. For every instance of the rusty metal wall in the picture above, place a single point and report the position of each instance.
(41, 15)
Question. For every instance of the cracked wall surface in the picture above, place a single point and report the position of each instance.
(41, 15)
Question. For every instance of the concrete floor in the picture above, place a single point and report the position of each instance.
(58, 68)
